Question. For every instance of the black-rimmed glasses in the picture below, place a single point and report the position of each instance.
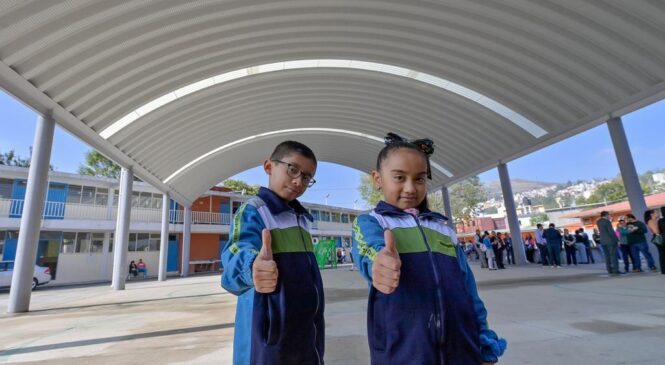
(295, 172)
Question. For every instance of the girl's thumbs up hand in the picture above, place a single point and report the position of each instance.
(264, 269)
(387, 265)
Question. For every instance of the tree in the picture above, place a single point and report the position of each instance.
(241, 186)
(608, 192)
(10, 158)
(465, 198)
(368, 191)
(539, 218)
(435, 201)
(97, 164)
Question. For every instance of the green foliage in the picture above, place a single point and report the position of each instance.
(539, 218)
(609, 192)
(98, 165)
(435, 202)
(368, 191)
(241, 187)
(465, 197)
(10, 158)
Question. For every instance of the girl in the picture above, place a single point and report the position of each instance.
(423, 303)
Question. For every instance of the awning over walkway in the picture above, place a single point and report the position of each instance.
(192, 92)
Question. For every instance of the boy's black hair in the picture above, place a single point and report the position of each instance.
(288, 147)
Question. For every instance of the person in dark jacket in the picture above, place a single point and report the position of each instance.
(269, 264)
(608, 238)
(569, 246)
(554, 240)
(423, 305)
(637, 241)
(499, 246)
(661, 246)
(587, 246)
(510, 252)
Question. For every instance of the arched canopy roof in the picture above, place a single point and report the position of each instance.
(189, 93)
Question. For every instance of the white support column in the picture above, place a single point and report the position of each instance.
(164, 238)
(28, 238)
(186, 239)
(447, 207)
(121, 236)
(511, 214)
(109, 204)
(631, 180)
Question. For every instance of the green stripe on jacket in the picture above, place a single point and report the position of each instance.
(291, 240)
(410, 240)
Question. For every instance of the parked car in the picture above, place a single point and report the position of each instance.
(41, 276)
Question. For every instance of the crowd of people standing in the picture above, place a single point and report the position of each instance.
(626, 242)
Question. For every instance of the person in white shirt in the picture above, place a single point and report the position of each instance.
(541, 242)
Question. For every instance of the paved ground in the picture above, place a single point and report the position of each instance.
(549, 316)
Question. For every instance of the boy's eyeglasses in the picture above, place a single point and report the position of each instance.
(295, 172)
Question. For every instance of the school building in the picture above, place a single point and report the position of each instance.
(76, 235)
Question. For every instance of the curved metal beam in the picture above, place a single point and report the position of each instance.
(229, 146)
(516, 118)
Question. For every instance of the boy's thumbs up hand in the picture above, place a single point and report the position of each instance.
(387, 265)
(264, 269)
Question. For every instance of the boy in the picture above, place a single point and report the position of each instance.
(270, 265)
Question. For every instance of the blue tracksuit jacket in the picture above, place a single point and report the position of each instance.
(285, 327)
(435, 316)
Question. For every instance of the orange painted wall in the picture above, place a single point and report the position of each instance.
(203, 204)
(204, 246)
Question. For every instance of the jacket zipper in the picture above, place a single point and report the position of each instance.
(439, 318)
(309, 259)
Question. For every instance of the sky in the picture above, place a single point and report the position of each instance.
(585, 156)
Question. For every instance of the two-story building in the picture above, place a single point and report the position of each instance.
(79, 219)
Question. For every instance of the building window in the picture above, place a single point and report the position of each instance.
(2, 242)
(88, 195)
(142, 242)
(101, 198)
(5, 189)
(74, 194)
(97, 242)
(157, 201)
(146, 200)
(345, 218)
(111, 242)
(325, 216)
(154, 241)
(68, 242)
(352, 218)
(83, 241)
(135, 199)
(315, 214)
(335, 217)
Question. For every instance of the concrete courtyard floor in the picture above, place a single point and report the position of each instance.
(549, 316)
